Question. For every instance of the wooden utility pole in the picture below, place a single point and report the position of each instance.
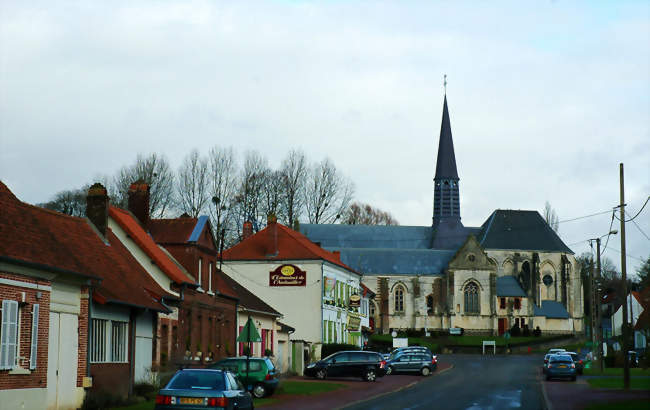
(599, 337)
(624, 325)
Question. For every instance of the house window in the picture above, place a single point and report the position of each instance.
(430, 304)
(210, 277)
(399, 299)
(502, 303)
(517, 303)
(109, 341)
(9, 334)
(199, 275)
(471, 298)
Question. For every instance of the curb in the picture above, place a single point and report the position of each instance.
(354, 403)
(547, 402)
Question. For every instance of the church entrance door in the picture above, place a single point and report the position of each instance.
(502, 326)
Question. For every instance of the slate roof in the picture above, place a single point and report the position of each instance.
(291, 245)
(247, 299)
(520, 230)
(509, 286)
(551, 309)
(397, 261)
(446, 162)
(335, 236)
(145, 242)
(177, 230)
(62, 242)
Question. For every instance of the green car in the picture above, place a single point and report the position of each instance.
(261, 379)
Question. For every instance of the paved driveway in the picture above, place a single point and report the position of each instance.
(475, 382)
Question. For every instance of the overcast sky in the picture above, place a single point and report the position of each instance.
(546, 98)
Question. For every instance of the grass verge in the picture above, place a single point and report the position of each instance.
(620, 405)
(145, 405)
(616, 371)
(617, 383)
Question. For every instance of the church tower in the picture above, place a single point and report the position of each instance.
(446, 197)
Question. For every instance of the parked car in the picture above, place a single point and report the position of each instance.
(261, 380)
(554, 351)
(580, 364)
(413, 349)
(193, 389)
(560, 365)
(409, 361)
(367, 365)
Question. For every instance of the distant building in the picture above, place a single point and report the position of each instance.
(513, 270)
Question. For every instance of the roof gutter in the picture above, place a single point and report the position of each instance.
(261, 312)
(47, 268)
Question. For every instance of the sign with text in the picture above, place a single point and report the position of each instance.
(355, 301)
(287, 275)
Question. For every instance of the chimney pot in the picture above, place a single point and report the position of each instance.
(247, 230)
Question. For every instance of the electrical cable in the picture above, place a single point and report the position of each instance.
(638, 227)
(637, 214)
(610, 230)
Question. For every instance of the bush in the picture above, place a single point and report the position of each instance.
(146, 390)
(330, 348)
(526, 331)
(268, 353)
(102, 400)
(537, 332)
(515, 331)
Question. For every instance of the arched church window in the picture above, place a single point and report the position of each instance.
(430, 305)
(471, 294)
(399, 299)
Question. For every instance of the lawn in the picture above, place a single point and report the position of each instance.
(145, 405)
(616, 371)
(617, 383)
(620, 405)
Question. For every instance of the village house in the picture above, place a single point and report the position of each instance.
(318, 295)
(70, 322)
(201, 327)
(638, 318)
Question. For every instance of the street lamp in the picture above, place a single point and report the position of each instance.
(596, 328)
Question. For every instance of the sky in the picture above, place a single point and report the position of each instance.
(546, 98)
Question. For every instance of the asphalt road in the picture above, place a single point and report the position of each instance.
(476, 382)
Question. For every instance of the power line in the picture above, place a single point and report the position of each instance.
(586, 216)
(637, 214)
(629, 256)
(639, 228)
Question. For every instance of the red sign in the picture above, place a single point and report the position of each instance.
(288, 275)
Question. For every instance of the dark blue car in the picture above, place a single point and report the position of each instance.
(193, 389)
(560, 365)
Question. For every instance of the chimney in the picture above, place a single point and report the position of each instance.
(337, 255)
(97, 207)
(247, 231)
(139, 202)
(272, 235)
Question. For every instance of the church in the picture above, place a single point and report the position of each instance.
(513, 270)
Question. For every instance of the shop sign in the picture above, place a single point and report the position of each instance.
(354, 322)
(287, 275)
(355, 301)
(330, 285)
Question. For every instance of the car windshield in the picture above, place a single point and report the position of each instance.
(270, 365)
(200, 380)
(561, 359)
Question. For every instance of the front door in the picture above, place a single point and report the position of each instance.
(62, 361)
(502, 326)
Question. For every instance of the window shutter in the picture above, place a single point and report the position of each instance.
(8, 341)
(33, 353)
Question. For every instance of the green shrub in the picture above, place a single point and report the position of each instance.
(102, 400)
(142, 389)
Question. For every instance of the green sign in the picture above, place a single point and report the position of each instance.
(249, 333)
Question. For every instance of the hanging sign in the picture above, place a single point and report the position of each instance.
(287, 275)
(355, 301)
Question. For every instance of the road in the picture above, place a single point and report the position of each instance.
(475, 382)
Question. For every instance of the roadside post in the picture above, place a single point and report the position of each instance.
(248, 335)
(506, 335)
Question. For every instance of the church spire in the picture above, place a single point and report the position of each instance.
(446, 198)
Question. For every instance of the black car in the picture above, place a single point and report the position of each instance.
(367, 365)
(412, 361)
(192, 389)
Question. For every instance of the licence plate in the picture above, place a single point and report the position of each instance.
(191, 400)
(562, 366)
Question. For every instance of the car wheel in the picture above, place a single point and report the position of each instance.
(259, 391)
(389, 370)
(321, 374)
(425, 371)
(370, 376)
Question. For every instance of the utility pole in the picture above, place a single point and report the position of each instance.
(593, 311)
(624, 327)
(599, 338)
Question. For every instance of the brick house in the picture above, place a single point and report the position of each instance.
(201, 327)
(54, 270)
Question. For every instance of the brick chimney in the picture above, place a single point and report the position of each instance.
(337, 255)
(247, 231)
(97, 207)
(272, 235)
(139, 202)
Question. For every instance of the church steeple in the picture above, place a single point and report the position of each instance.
(446, 197)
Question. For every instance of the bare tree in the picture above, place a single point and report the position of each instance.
(155, 170)
(192, 186)
(249, 199)
(365, 214)
(327, 193)
(223, 183)
(293, 175)
(550, 216)
(70, 202)
(273, 194)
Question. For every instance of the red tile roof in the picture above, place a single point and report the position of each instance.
(145, 242)
(247, 299)
(172, 230)
(291, 245)
(55, 240)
